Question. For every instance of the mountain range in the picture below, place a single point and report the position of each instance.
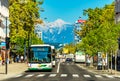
(58, 31)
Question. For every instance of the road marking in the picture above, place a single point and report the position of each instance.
(67, 64)
(63, 75)
(30, 75)
(58, 67)
(98, 76)
(52, 75)
(40, 75)
(18, 75)
(117, 76)
(75, 75)
(87, 76)
(109, 76)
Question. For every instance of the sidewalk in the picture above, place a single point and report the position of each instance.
(13, 70)
(101, 72)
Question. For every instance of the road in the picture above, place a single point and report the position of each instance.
(63, 72)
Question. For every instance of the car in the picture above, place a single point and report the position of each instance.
(68, 60)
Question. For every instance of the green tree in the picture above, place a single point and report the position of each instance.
(99, 33)
(24, 14)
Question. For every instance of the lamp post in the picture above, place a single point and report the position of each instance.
(6, 55)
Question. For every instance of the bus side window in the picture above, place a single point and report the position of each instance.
(49, 49)
(31, 54)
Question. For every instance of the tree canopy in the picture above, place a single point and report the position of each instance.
(24, 14)
(99, 33)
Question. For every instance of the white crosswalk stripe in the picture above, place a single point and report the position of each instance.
(63, 75)
(87, 76)
(66, 75)
(19, 75)
(109, 76)
(40, 75)
(30, 75)
(75, 75)
(52, 75)
(98, 76)
(117, 76)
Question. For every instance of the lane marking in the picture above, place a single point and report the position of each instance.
(18, 75)
(109, 76)
(75, 75)
(40, 75)
(52, 75)
(117, 76)
(30, 75)
(98, 76)
(63, 75)
(87, 76)
(58, 67)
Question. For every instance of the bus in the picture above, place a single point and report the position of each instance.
(40, 57)
(80, 57)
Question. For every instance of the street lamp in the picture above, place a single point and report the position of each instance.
(6, 55)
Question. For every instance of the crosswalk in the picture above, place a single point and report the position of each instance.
(52, 75)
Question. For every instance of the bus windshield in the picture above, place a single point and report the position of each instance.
(40, 55)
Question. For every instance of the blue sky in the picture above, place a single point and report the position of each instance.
(69, 10)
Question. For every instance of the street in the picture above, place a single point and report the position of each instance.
(67, 72)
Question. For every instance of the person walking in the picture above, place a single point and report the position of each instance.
(21, 58)
(0, 60)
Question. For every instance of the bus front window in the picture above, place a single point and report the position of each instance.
(41, 55)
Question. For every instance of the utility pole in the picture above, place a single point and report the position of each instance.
(6, 55)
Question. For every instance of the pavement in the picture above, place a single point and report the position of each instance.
(13, 70)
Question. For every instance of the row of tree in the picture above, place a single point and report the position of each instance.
(99, 33)
(23, 16)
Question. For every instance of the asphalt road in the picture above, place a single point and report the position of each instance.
(63, 72)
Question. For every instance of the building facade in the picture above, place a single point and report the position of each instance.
(4, 12)
(38, 32)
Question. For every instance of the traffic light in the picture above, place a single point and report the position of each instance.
(7, 42)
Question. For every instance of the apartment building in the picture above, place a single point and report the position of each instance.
(4, 12)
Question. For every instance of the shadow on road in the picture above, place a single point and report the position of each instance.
(38, 71)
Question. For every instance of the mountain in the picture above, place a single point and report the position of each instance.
(58, 31)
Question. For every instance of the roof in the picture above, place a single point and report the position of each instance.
(38, 45)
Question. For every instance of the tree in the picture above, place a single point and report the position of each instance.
(99, 33)
(24, 14)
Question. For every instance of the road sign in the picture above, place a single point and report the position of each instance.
(81, 21)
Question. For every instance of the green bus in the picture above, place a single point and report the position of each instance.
(40, 57)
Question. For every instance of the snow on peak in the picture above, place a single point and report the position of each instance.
(57, 23)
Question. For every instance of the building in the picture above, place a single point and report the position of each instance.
(4, 12)
(76, 36)
(38, 31)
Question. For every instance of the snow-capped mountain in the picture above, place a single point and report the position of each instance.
(58, 31)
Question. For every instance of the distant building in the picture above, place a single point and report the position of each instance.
(4, 12)
(117, 11)
(76, 36)
(38, 32)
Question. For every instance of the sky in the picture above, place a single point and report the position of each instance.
(69, 10)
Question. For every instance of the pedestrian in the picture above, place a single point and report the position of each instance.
(0, 60)
(21, 58)
(17, 58)
(104, 64)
